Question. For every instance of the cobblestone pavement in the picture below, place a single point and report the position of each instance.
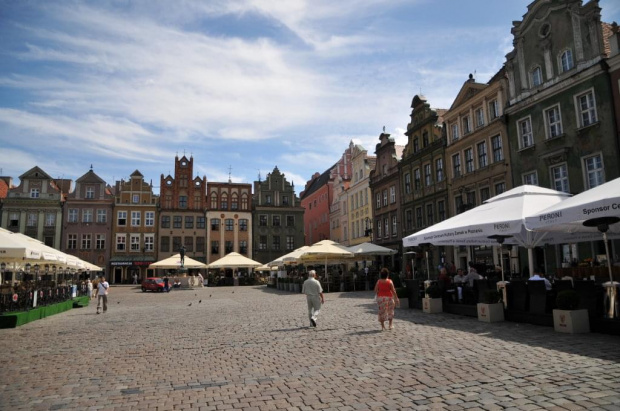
(251, 348)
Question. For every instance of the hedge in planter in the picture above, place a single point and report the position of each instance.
(567, 318)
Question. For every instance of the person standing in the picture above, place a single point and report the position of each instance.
(102, 294)
(135, 278)
(89, 289)
(166, 284)
(314, 296)
(386, 299)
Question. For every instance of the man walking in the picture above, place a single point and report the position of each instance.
(314, 296)
(102, 294)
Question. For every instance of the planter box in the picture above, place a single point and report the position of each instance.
(571, 321)
(432, 305)
(490, 313)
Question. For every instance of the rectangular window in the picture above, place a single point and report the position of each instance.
(392, 194)
(200, 244)
(72, 217)
(31, 220)
(176, 244)
(102, 216)
(290, 242)
(482, 154)
(455, 132)
(134, 242)
(466, 125)
(165, 222)
(394, 226)
(229, 223)
(201, 222)
(268, 199)
(275, 220)
(441, 210)
(379, 228)
(182, 202)
(136, 218)
(262, 242)
(485, 194)
(100, 242)
(285, 201)
(559, 177)
(409, 219)
(479, 117)
(386, 225)
(34, 193)
(214, 201)
(87, 215)
(429, 215)
(425, 141)
(594, 171)
(121, 218)
(243, 247)
(189, 222)
(121, 242)
(262, 220)
(149, 242)
(586, 109)
(471, 199)
(498, 153)
(417, 179)
(177, 221)
(86, 241)
(536, 77)
(215, 224)
(493, 109)
(135, 199)
(439, 169)
(469, 160)
(456, 165)
(526, 139)
(407, 183)
(243, 224)
(458, 204)
(530, 178)
(385, 198)
(416, 145)
(418, 217)
(290, 221)
(500, 188)
(149, 218)
(14, 220)
(566, 60)
(72, 241)
(189, 244)
(164, 244)
(553, 122)
(50, 219)
(428, 177)
(215, 247)
(378, 200)
(275, 244)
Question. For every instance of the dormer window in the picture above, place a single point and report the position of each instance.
(34, 193)
(566, 60)
(90, 192)
(536, 76)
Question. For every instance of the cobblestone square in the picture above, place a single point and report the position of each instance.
(252, 348)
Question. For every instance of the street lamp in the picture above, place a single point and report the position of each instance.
(27, 266)
(2, 270)
(36, 271)
(54, 273)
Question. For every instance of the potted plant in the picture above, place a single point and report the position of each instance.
(567, 318)
(431, 303)
(491, 308)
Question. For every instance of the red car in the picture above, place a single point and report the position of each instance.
(153, 284)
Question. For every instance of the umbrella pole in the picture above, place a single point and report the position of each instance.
(611, 277)
(428, 269)
(530, 260)
(326, 274)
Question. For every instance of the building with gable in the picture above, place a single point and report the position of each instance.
(358, 195)
(340, 179)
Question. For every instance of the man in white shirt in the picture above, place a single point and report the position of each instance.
(102, 293)
(314, 296)
(539, 276)
(472, 275)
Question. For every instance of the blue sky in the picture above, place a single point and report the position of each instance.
(242, 85)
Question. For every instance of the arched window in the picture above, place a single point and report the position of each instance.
(566, 60)
(224, 201)
(234, 202)
(536, 76)
(213, 201)
(244, 202)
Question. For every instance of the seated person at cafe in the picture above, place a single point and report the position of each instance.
(540, 276)
(472, 275)
(460, 276)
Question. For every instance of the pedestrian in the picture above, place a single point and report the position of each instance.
(95, 287)
(102, 293)
(314, 296)
(89, 288)
(166, 284)
(386, 299)
(135, 278)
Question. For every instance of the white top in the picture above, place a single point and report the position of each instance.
(102, 288)
(536, 277)
(312, 287)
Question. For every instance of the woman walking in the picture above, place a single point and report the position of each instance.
(386, 299)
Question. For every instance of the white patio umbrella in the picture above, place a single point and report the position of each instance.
(234, 260)
(174, 262)
(292, 257)
(324, 251)
(368, 249)
(15, 248)
(500, 219)
(592, 212)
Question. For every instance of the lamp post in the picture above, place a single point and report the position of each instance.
(2, 270)
(54, 273)
(36, 272)
(27, 267)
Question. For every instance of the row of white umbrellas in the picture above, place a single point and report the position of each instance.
(17, 250)
(530, 216)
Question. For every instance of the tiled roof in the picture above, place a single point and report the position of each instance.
(317, 183)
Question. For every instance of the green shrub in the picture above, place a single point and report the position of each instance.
(433, 291)
(491, 297)
(567, 300)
